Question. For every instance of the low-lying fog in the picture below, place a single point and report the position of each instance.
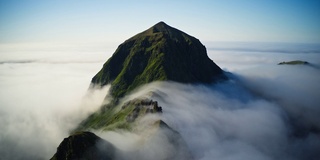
(267, 111)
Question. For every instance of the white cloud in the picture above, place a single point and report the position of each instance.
(42, 101)
(255, 116)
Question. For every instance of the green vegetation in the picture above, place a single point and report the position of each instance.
(296, 62)
(121, 116)
(107, 118)
(157, 54)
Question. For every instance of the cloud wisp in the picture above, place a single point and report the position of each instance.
(41, 102)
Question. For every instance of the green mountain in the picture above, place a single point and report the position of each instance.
(158, 54)
(161, 53)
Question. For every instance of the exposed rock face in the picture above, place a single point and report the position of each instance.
(84, 146)
(142, 107)
(159, 53)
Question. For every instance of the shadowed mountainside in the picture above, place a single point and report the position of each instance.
(84, 145)
(159, 53)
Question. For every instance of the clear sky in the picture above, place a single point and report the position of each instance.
(98, 21)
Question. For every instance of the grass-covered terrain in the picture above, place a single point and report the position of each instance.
(121, 116)
(157, 54)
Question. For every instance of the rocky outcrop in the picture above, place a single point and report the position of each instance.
(142, 107)
(84, 146)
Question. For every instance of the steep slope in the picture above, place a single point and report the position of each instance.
(159, 53)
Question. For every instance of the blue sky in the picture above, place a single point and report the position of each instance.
(78, 21)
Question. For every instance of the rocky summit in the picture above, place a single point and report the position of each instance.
(160, 53)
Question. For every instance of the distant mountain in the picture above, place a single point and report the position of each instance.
(296, 62)
(160, 53)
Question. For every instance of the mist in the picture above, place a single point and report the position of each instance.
(265, 111)
(43, 96)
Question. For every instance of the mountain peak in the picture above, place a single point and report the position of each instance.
(160, 27)
(161, 23)
(157, 54)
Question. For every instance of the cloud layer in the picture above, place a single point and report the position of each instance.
(41, 100)
(265, 112)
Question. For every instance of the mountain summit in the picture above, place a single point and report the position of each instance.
(159, 53)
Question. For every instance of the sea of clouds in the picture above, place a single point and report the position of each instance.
(265, 111)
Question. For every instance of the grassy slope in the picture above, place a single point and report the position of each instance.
(116, 116)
